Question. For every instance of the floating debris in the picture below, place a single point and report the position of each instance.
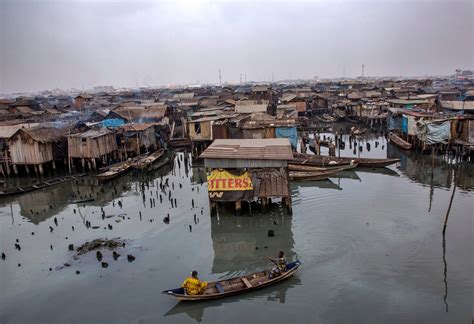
(98, 244)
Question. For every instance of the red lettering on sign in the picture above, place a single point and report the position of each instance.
(238, 183)
(231, 183)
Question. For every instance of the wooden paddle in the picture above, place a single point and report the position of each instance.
(272, 260)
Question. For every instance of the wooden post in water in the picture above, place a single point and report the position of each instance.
(450, 204)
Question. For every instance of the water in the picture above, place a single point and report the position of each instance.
(370, 243)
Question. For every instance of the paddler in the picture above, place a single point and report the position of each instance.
(193, 286)
(280, 263)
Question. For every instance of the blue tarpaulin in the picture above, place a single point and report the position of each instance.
(433, 133)
(405, 125)
(115, 122)
(287, 132)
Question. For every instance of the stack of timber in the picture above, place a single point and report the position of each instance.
(39, 185)
(180, 142)
(147, 160)
(397, 140)
(235, 286)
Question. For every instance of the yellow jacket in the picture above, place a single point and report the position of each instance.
(193, 286)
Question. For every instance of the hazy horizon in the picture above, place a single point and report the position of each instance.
(82, 44)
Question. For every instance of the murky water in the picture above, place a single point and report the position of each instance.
(370, 243)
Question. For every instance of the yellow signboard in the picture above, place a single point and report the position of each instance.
(221, 180)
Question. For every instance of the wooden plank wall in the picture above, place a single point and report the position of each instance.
(92, 147)
(29, 152)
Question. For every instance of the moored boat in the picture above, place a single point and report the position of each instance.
(397, 140)
(332, 161)
(312, 175)
(236, 285)
(114, 171)
(302, 166)
(148, 160)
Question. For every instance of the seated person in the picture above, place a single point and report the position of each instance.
(193, 286)
(280, 263)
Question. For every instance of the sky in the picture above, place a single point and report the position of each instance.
(82, 44)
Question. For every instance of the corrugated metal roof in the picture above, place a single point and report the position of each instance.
(250, 149)
(8, 130)
(458, 105)
(248, 109)
(136, 127)
(92, 133)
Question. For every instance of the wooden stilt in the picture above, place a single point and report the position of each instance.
(40, 168)
(15, 169)
(238, 207)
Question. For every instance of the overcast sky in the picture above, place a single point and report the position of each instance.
(58, 44)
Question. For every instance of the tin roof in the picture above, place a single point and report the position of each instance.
(92, 133)
(136, 127)
(249, 149)
(7, 131)
(248, 109)
(458, 105)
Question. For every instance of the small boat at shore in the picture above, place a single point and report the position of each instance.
(397, 140)
(312, 175)
(114, 171)
(148, 160)
(236, 285)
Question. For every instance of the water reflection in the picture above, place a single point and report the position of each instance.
(195, 310)
(40, 205)
(241, 243)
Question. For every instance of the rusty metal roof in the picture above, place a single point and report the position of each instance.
(250, 149)
(136, 127)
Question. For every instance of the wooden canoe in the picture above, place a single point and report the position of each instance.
(320, 160)
(235, 286)
(397, 140)
(38, 185)
(312, 175)
(375, 163)
(297, 166)
(146, 161)
(369, 162)
(114, 172)
(323, 161)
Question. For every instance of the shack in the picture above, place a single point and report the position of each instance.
(91, 146)
(241, 170)
(6, 132)
(137, 138)
(38, 146)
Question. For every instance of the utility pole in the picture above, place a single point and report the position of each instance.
(272, 77)
(240, 78)
(220, 77)
(363, 66)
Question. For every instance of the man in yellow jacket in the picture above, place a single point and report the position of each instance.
(193, 286)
